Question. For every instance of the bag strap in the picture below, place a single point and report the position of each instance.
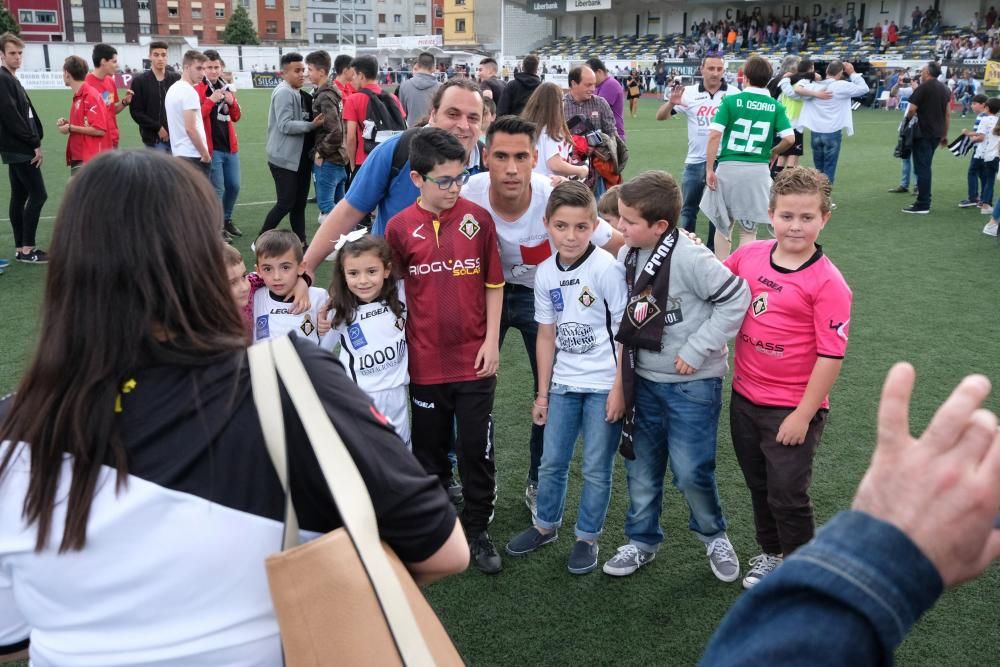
(349, 494)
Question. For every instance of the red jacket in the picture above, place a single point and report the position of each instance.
(206, 116)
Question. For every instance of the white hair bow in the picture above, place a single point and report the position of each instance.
(349, 238)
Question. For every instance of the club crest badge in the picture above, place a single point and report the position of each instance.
(469, 227)
(759, 305)
(641, 311)
(307, 327)
(587, 297)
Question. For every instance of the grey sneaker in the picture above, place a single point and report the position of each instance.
(627, 560)
(484, 554)
(760, 567)
(722, 558)
(583, 558)
(531, 497)
(528, 540)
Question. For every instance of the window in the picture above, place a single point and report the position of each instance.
(362, 39)
(245, 4)
(381, 18)
(26, 16)
(145, 29)
(460, 3)
(220, 13)
(196, 12)
(270, 4)
(294, 4)
(459, 25)
(111, 4)
(420, 19)
(172, 12)
(438, 12)
(360, 19)
(114, 28)
(45, 17)
(296, 27)
(143, 4)
(272, 27)
(397, 18)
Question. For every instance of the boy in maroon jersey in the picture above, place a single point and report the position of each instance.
(446, 248)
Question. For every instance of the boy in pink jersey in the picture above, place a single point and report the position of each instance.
(788, 355)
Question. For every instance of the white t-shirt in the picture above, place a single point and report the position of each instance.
(699, 106)
(183, 97)
(524, 243)
(272, 318)
(986, 149)
(373, 346)
(586, 302)
(547, 147)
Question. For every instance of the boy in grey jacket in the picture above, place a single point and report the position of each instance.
(416, 93)
(287, 125)
(683, 307)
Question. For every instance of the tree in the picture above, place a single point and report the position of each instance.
(240, 28)
(7, 21)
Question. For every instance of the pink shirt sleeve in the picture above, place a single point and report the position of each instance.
(832, 317)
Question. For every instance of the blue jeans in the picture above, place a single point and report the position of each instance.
(923, 156)
(570, 414)
(162, 147)
(676, 422)
(331, 183)
(692, 188)
(904, 172)
(226, 179)
(519, 312)
(826, 151)
(981, 177)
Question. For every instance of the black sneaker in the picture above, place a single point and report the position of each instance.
(917, 210)
(529, 540)
(583, 558)
(455, 491)
(484, 554)
(231, 228)
(227, 237)
(36, 256)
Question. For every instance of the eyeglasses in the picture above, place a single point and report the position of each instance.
(445, 182)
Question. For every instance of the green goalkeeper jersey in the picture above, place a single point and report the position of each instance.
(749, 122)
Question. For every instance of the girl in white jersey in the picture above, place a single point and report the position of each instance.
(368, 319)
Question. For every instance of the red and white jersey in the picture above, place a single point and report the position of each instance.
(795, 316)
(108, 90)
(87, 110)
(449, 261)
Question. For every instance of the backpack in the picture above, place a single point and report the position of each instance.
(382, 120)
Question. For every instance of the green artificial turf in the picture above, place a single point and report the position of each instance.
(924, 290)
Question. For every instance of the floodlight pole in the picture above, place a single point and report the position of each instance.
(502, 3)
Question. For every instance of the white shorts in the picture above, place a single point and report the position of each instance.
(395, 403)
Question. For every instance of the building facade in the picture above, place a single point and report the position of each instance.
(460, 23)
(398, 18)
(111, 21)
(204, 19)
(40, 20)
(340, 25)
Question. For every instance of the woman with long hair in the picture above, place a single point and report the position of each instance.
(137, 498)
(554, 140)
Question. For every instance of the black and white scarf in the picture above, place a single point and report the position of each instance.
(644, 320)
(222, 108)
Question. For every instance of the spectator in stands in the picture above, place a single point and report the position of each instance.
(416, 93)
(345, 75)
(516, 93)
(893, 33)
(356, 107)
(581, 101)
(488, 79)
(149, 89)
(877, 37)
(611, 91)
(931, 99)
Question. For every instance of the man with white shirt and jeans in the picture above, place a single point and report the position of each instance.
(698, 102)
(826, 118)
(516, 198)
(184, 120)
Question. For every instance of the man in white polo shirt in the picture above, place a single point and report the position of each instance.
(698, 102)
(184, 120)
(516, 199)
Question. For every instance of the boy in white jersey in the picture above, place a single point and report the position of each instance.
(579, 300)
(279, 264)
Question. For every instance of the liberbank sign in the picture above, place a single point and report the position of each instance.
(560, 6)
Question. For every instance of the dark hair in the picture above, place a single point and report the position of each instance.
(457, 82)
(571, 193)
(597, 65)
(608, 203)
(655, 194)
(342, 62)
(757, 71)
(530, 64)
(489, 106)
(212, 54)
(979, 98)
(934, 69)
(511, 124)
(489, 61)
(158, 45)
(367, 66)
(126, 314)
(289, 58)
(432, 146)
(76, 67)
(426, 60)
(344, 303)
(319, 60)
(993, 104)
(277, 242)
(576, 74)
(103, 52)
(805, 66)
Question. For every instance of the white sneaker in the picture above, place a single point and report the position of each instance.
(722, 559)
(760, 567)
(991, 228)
(627, 560)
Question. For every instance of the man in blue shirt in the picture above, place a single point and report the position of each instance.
(458, 108)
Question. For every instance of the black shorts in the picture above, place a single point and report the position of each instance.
(796, 148)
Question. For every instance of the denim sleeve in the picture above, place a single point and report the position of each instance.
(371, 182)
(847, 598)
